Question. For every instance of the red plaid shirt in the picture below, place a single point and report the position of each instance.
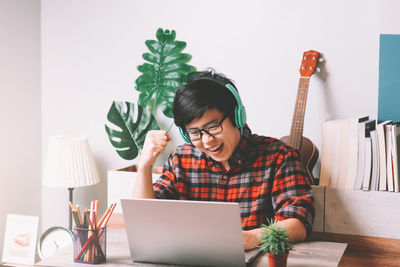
(265, 177)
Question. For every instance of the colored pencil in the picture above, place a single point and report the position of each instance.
(97, 244)
(102, 223)
(78, 211)
(104, 216)
(73, 217)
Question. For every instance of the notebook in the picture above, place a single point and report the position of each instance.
(185, 232)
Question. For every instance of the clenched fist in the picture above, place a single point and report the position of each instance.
(154, 145)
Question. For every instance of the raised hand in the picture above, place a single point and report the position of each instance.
(154, 145)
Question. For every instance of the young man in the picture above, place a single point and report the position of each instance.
(223, 161)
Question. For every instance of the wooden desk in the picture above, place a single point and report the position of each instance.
(364, 250)
(305, 254)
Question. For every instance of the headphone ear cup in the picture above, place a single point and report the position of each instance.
(243, 116)
(237, 117)
(240, 116)
(187, 140)
(240, 111)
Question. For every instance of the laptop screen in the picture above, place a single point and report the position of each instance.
(184, 232)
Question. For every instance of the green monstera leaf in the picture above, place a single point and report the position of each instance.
(128, 140)
(164, 73)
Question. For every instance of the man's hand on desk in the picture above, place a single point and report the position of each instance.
(297, 232)
(251, 238)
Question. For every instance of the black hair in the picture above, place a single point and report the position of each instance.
(203, 91)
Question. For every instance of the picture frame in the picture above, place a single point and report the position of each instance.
(20, 239)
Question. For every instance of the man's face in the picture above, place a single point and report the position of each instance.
(219, 146)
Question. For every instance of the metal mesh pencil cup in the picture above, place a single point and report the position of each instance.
(90, 245)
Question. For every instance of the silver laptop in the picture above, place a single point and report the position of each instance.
(185, 232)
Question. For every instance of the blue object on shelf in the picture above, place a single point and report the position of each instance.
(389, 78)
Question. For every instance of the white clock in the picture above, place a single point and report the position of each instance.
(54, 239)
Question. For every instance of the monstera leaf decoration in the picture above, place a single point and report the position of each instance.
(128, 140)
(164, 73)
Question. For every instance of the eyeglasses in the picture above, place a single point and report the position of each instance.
(213, 129)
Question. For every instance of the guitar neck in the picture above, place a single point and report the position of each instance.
(296, 131)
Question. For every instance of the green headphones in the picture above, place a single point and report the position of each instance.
(240, 113)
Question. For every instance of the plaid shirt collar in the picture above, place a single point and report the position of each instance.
(240, 154)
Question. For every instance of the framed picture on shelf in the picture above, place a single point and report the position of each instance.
(20, 239)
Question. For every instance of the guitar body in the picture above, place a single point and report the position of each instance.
(308, 151)
(308, 154)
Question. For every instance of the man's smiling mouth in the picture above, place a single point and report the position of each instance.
(215, 148)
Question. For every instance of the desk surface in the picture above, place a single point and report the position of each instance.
(364, 250)
(305, 254)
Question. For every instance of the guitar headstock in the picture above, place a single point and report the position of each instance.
(309, 63)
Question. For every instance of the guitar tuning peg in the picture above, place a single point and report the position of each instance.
(318, 70)
(321, 59)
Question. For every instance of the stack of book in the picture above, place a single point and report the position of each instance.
(358, 153)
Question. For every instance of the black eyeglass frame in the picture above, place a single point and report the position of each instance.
(206, 131)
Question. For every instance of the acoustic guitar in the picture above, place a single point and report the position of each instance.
(308, 151)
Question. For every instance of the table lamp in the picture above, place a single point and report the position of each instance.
(69, 164)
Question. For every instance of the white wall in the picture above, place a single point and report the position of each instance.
(20, 133)
(90, 51)
(390, 21)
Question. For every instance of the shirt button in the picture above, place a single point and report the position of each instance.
(239, 161)
(224, 179)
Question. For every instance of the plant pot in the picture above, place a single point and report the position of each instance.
(277, 260)
(120, 185)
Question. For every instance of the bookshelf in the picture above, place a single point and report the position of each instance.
(357, 212)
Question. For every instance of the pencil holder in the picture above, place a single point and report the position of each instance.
(90, 245)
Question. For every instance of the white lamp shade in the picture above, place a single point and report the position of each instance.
(69, 163)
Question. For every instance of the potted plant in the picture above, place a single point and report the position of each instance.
(164, 71)
(274, 242)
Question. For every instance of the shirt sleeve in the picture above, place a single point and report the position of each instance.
(292, 195)
(165, 185)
